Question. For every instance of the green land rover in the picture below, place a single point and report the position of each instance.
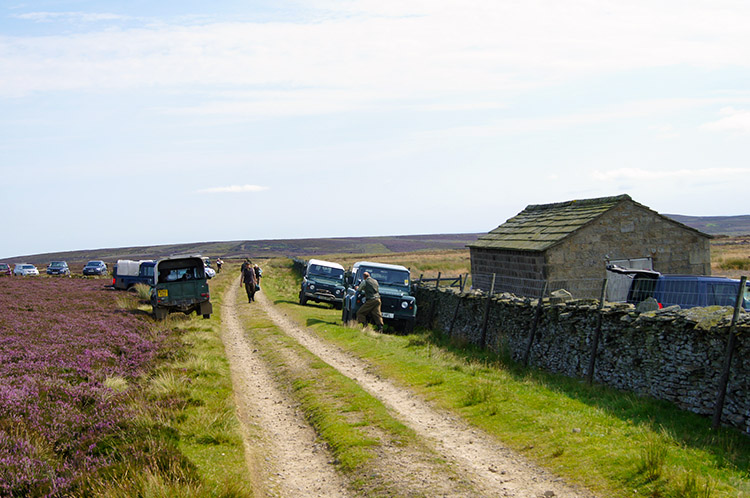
(180, 285)
(323, 283)
(398, 306)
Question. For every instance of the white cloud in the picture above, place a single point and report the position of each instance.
(647, 175)
(664, 132)
(735, 121)
(233, 189)
(395, 49)
(70, 16)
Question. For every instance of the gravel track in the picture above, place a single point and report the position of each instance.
(492, 469)
(284, 455)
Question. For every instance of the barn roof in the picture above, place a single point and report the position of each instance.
(540, 226)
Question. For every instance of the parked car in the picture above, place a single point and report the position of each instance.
(180, 285)
(127, 273)
(25, 270)
(58, 268)
(323, 282)
(95, 268)
(5, 269)
(398, 306)
(685, 291)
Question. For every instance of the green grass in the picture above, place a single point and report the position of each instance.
(615, 443)
(186, 414)
(735, 264)
(355, 425)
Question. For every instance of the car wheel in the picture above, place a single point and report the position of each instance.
(160, 313)
(206, 316)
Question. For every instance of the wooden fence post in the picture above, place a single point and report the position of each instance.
(437, 282)
(724, 380)
(534, 325)
(597, 335)
(486, 319)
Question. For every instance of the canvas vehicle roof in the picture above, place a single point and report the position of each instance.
(324, 263)
(380, 265)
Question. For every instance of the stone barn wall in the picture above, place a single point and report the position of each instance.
(629, 231)
(671, 354)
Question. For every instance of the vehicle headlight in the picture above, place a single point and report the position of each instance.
(311, 286)
(404, 304)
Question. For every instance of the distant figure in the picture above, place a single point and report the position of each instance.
(258, 276)
(370, 287)
(247, 277)
(219, 262)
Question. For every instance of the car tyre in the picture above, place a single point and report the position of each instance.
(160, 313)
(206, 316)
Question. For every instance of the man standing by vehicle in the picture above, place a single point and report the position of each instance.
(370, 287)
(247, 277)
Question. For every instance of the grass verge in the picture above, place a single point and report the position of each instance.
(614, 443)
(185, 418)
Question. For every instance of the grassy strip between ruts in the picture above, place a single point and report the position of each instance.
(188, 403)
(355, 426)
(614, 443)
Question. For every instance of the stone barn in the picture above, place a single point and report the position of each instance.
(568, 244)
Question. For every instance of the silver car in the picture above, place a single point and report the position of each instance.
(25, 270)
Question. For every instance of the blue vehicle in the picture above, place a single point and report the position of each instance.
(685, 291)
(127, 273)
(58, 268)
(398, 306)
(95, 267)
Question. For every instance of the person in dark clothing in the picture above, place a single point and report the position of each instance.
(371, 289)
(247, 278)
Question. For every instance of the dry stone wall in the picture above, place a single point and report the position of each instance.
(670, 354)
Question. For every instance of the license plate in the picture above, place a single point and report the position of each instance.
(163, 292)
(388, 315)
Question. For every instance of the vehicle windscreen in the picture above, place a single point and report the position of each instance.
(57, 264)
(326, 271)
(93, 263)
(386, 276)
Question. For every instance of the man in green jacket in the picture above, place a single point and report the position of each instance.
(370, 287)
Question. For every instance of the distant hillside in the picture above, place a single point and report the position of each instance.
(716, 225)
(264, 248)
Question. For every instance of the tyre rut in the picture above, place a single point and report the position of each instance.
(492, 468)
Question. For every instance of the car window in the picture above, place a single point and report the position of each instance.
(641, 288)
(683, 292)
(722, 294)
(326, 271)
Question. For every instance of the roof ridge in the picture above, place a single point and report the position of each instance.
(579, 202)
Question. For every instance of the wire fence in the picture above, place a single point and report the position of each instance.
(682, 291)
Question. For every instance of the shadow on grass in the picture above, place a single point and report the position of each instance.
(315, 321)
(729, 446)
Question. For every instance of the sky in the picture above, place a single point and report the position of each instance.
(156, 122)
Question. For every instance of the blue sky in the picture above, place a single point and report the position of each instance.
(141, 122)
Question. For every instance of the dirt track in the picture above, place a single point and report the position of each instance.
(487, 467)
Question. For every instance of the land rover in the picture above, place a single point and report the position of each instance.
(398, 306)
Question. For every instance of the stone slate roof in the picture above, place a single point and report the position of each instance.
(541, 226)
